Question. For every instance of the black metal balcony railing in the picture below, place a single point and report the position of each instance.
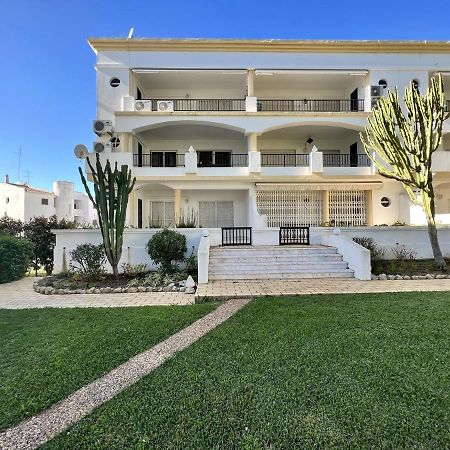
(204, 104)
(223, 159)
(284, 160)
(345, 105)
(158, 159)
(345, 160)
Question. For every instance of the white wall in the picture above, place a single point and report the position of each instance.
(34, 206)
(12, 201)
(64, 199)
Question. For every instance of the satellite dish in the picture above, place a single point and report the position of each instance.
(80, 151)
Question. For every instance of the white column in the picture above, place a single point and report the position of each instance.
(177, 202)
(250, 100)
(254, 157)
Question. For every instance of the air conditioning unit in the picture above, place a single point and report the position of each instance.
(102, 127)
(165, 105)
(142, 105)
(100, 147)
(374, 102)
(376, 91)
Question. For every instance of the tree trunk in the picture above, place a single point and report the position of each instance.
(115, 270)
(429, 210)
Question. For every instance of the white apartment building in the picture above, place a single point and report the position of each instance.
(244, 133)
(22, 202)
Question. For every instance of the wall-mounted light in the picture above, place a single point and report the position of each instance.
(310, 140)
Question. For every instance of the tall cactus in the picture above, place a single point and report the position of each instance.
(111, 191)
(405, 139)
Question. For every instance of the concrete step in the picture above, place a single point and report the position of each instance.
(226, 259)
(285, 275)
(276, 267)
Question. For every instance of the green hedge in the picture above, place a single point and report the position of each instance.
(16, 255)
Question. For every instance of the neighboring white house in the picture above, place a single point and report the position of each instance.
(23, 202)
(258, 133)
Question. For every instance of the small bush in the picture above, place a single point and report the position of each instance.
(157, 279)
(376, 252)
(403, 253)
(87, 262)
(167, 248)
(10, 226)
(134, 270)
(191, 263)
(16, 255)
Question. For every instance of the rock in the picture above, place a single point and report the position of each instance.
(391, 277)
(174, 289)
(415, 277)
(428, 276)
(141, 289)
(382, 276)
(406, 277)
(160, 289)
(171, 285)
(167, 289)
(374, 277)
(132, 290)
(440, 276)
(48, 291)
(189, 290)
(117, 290)
(422, 277)
(182, 289)
(190, 283)
(97, 291)
(398, 277)
(182, 283)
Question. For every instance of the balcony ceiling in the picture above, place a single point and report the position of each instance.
(191, 79)
(307, 81)
(306, 131)
(190, 132)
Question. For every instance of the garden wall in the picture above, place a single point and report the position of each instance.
(134, 247)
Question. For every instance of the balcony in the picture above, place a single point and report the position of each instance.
(284, 160)
(222, 159)
(158, 159)
(345, 160)
(203, 104)
(307, 105)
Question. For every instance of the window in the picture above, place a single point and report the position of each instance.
(114, 82)
(44, 201)
(164, 159)
(385, 202)
(115, 142)
(161, 214)
(216, 214)
(383, 83)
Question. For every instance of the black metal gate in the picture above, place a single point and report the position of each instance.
(237, 236)
(294, 236)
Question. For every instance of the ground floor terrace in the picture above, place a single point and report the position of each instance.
(216, 204)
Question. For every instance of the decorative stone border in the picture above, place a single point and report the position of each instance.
(428, 276)
(180, 287)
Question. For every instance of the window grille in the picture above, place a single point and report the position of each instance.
(347, 208)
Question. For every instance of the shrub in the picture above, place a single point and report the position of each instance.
(87, 261)
(376, 252)
(157, 279)
(16, 255)
(191, 263)
(187, 220)
(167, 248)
(38, 230)
(10, 226)
(403, 253)
(134, 270)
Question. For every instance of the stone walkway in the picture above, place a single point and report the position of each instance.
(20, 295)
(226, 289)
(38, 430)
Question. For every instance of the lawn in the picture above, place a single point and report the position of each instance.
(48, 353)
(330, 371)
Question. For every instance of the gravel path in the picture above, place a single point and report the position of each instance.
(37, 430)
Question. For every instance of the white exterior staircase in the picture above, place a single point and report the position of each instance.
(276, 262)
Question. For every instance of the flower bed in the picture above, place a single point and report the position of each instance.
(151, 282)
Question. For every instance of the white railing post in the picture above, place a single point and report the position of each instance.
(190, 160)
(203, 258)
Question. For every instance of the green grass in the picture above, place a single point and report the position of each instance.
(46, 354)
(331, 371)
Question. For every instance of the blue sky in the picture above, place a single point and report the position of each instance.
(48, 85)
